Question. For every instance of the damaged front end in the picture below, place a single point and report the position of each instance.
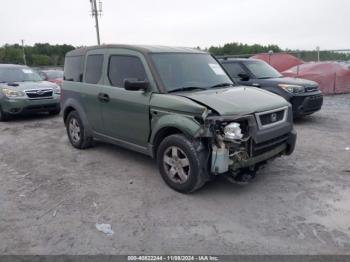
(241, 144)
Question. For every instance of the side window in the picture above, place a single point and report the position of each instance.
(73, 68)
(93, 69)
(122, 67)
(234, 69)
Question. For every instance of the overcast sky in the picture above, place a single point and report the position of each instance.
(294, 24)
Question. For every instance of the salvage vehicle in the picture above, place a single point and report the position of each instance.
(22, 91)
(304, 95)
(176, 105)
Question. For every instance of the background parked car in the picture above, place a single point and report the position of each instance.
(52, 75)
(22, 90)
(304, 95)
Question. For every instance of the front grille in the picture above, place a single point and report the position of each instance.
(311, 88)
(263, 147)
(39, 94)
(271, 118)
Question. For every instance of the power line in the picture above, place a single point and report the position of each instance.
(95, 12)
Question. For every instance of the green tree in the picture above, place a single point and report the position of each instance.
(40, 60)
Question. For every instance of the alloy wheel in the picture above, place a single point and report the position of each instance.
(176, 164)
(74, 130)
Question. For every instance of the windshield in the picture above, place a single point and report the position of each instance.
(23, 74)
(181, 70)
(54, 74)
(261, 70)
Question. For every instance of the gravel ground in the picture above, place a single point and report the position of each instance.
(52, 195)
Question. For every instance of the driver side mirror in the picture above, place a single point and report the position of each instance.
(244, 76)
(135, 85)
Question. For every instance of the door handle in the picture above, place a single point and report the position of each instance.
(102, 97)
(256, 84)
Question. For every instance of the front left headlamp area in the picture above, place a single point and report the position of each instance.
(295, 89)
(12, 93)
(233, 131)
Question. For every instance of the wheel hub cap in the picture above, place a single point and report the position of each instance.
(74, 130)
(176, 165)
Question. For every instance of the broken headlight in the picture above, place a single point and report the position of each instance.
(233, 131)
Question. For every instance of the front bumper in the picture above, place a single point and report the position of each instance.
(306, 104)
(21, 106)
(280, 146)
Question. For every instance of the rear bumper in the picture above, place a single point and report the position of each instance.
(22, 106)
(306, 105)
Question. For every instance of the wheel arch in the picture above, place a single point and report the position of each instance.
(72, 105)
(172, 124)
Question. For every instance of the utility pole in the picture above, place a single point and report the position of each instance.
(270, 54)
(318, 53)
(95, 12)
(24, 54)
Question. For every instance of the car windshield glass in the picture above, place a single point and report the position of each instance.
(9, 75)
(187, 70)
(261, 70)
(54, 74)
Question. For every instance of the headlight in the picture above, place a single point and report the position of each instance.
(292, 88)
(13, 93)
(57, 90)
(233, 131)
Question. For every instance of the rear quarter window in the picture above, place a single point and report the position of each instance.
(73, 68)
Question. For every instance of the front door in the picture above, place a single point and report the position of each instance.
(91, 87)
(125, 113)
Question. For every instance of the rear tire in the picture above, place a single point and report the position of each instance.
(76, 132)
(4, 116)
(182, 163)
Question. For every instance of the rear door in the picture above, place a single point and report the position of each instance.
(125, 114)
(93, 82)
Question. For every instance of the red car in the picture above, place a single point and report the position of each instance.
(53, 75)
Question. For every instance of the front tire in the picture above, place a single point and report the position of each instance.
(182, 163)
(76, 131)
(4, 116)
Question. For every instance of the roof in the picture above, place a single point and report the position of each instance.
(223, 60)
(140, 48)
(11, 66)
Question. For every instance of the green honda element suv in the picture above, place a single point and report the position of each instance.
(176, 105)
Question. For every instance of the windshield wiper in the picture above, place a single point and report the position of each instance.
(265, 77)
(222, 85)
(187, 88)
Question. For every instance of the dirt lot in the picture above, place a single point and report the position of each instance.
(52, 195)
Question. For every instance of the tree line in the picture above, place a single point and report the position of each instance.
(41, 54)
(45, 54)
(240, 49)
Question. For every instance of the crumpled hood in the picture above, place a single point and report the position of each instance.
(237, 100)
(22, 86)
